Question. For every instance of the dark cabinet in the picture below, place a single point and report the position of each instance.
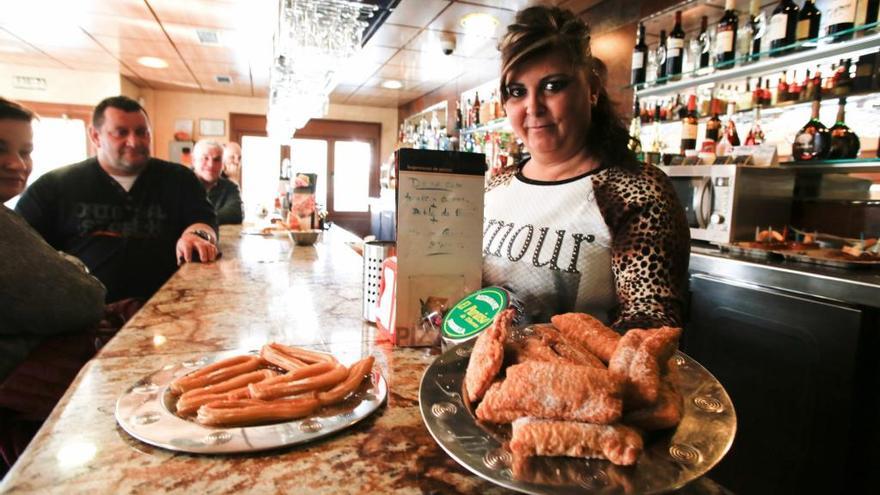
(790, 365)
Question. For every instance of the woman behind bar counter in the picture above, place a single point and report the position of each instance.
(582, 225)
(43, 297)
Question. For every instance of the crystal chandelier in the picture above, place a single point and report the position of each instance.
(313, 41)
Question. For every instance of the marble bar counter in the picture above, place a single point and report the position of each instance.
(262, 289)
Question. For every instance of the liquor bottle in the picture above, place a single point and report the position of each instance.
(729, 137)
(844, 142)
(661, 58)
(864, 73)
(713, 128)
(476, 108)
(806, 88)
(794, 88)
(783, 26)
(756, 94)
(756, 135)
(813, 140)
(725, 36)
(635, 128)
(842, 79)
(704, 44)
(808, 25)
(782, 89)
(758, 24)
(675, 49)
(469, 121)
(457, 116)
(657, 142)
(766, 95)
(689, 126)
(640, 58)
(841, 18)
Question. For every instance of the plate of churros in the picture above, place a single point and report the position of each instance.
(574, 407)
(247, 401)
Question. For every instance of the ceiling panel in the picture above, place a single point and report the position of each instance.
(393, 35)
(31, 59)
(579, 6)
(376, 54)
(466, 45)
(123, 27)
(133, 9)
(416, 13)
(208, 13)
(357, 72)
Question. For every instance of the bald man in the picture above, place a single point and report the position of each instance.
(222, 193)
(232, 162)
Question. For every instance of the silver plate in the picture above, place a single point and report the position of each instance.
(670, 460)
(144, 411)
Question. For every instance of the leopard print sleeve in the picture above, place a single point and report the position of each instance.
(650, 246)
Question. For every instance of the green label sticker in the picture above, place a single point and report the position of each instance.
(474, 313)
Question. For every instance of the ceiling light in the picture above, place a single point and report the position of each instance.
(153, 62)
(479, 23)
(392, 84)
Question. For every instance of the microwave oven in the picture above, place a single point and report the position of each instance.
(726, 203)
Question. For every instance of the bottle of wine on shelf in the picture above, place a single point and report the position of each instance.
(758, 25)
(844, 142)
(725, 36)
(808, 25)
(477, 109)
(867, 14)
(729, 136)
(756, 134)
(713, 128)
(640, 58)
(703, 42)
(675, 49)
(842, 79)
(794, 88)
(657, 142)
(783, 26)
(782, 89)
(661, 58)
(812, 142)
(841, 19)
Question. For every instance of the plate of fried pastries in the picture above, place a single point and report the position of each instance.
(574, 407)
(247, 401)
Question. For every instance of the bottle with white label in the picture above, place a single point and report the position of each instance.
(725, 37)
(783, 27)
(808, 25)
(841, 19)
(675, 49)
(661, 58)
(640, 58)
(758, 29)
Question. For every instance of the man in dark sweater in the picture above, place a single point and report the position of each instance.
(130, 218)
(222, 193)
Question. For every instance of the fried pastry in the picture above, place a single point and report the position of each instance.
(588, 332)
(619, 444)
(640, 357)
(487, 356)
(554, 390)
(566, 348)
(665, 413)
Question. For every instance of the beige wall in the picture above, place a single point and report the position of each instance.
(165, 107)
(62, 86)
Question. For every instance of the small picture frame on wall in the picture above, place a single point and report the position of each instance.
(212, 127)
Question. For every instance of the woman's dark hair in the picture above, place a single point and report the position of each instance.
(12, 110)
(540, 30)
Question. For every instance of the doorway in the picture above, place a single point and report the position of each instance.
(343, 154)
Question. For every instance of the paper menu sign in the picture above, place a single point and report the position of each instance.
(439, 237)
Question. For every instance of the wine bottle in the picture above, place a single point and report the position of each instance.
(841, 19)
(661, 58)
(640, 58)
(808, 25)
(867, 15)
(729, 137)
(864, 73)
(758, 25)
(704, 43)
(725, 36)
(675, 49)
(657, 142)
(766, 95)
(794, 88)
(806, 88)
(689, 126)
(782, 89)
(713, 128)
(458, 122)
(783, 26)
(476, 108)
(844, 142)
(813, 140)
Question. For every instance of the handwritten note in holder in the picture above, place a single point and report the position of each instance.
(439, 238)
